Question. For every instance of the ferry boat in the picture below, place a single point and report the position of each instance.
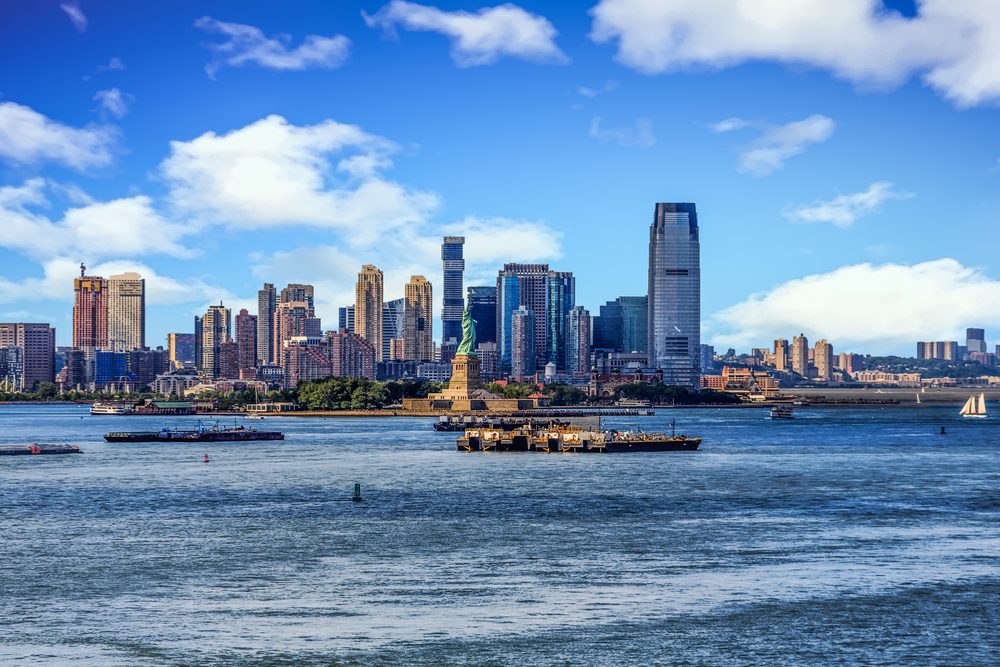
(38, 449)
(572, 439)
(100, 408)
(781, 412)
(201, 434)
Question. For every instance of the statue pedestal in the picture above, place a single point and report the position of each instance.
(464, 378)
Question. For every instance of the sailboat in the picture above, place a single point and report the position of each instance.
(918, 399)
(974, 407)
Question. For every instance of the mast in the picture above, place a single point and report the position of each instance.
(969, 407)
(982, 404)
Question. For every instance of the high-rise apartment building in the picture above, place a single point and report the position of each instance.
(823, 359)
(368, 307)
(674, 319)
(975, 340)
(523, 358)
(560, 299)
(781, 354)
(31, 354)
(297, 292)
(453, 303)
(418, 333)
(90, 311)
(215, 326)
(522, 285)
(942, 349)
(267, 302)
(483, 308)
(800, 355)
(246, 344)
(293, 319)
(350, 355)
(578, 334)
(126, 312)
(393, 326)
(850, 363)
(180, 350)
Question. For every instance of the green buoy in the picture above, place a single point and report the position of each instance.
(357, 492)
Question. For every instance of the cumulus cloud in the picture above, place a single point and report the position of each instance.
(639, 134)
(478, 38)
(876, 308)
(126, 226)
(75, 14)
(844, 210)
(608, 87)
(777, 143)
(28, 137)
(272, 173)
(953, 44)
(114, 101)
(247, 44)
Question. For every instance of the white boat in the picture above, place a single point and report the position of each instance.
(111, 408)
(781, 412)
(974, 407)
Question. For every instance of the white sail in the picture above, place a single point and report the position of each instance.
(918, 398)
(981, 408)
(970, 406)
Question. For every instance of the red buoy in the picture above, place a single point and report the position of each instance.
(205, 460)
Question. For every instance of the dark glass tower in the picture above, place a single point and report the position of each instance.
(454, 304)
(560, 290)
(675, 294)
(483, 304)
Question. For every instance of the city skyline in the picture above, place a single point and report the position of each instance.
(816, 180)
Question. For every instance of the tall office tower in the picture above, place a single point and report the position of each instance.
(267, 301)
(483, 307)
(780, 354)
(345, 319)
(215, 330)
(578, 335)
(126, 312)
(246, 344)
(560, 299)
(90, 311)
(293, 319)
(823, 358)
(523, 360)
(368, 307)
(393, 325)
(800, 355)
(522, 285)
(298, 292)
(674, 318)
(706, 358)
(453, 303)
(975, 340)
(35, 345)
(622, 325)
(418, 332)
(180, 350)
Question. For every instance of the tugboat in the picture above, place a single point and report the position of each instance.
(572, 439)
(782, 412)
(200, 434)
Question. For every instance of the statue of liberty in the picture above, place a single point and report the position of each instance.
(468, 344)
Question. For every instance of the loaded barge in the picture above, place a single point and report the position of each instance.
(200, 434)
(37, 449)
(572, 439)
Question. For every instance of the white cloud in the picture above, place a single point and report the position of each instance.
(75, 14)
(246, 44)
(114, 101)
(640, 134)
(729, 125)
(953, 44)
(608, 87)
(114, 65)
(844, 210)
(478, 38)
(876, 308)
(272, 173)
(126, 226)
(778, 143)
(28, 137)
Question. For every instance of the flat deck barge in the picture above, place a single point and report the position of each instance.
(201, 434)
(36, 449)
(571, 439)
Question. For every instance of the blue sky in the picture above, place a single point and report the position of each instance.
(844, 159)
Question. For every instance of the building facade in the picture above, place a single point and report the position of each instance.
(294, 319)
(781, 355)
(823, 360)
(90, 312)
(246, 344)
(350, 355)
(622, 325)
(453, 304)
(418, 328)
(560, 299)
(180, 350)
(126, 312)
(578, 335)
(215, 327)
(393, 326)
(33, 360)
(522, 285)
(674, 307)
(267, 302)
(524, 361)
(483, 308)
(368, 307)
(800, 355)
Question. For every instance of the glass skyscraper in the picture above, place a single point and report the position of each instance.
(454, 304)
(508, 300)
(483, 304)
(674, 337)
(560, 298)
(623, 325)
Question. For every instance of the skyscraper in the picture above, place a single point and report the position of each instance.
(298, 292)
(800, 355)
(623, 325)
(523, 358)
(126, 312)
(215, 330)
(781, 354)
(293, 319)
(90, 311)
(823, 359)
(267, 301)
(368, 307)
(453, 303)
(674, 318)
(975, 340)
(180, 348)
(483, 306)
(578, 324)
(345, 318)
(246, 344)
(34, 347)
(393, 325)
(560, 299)
(526, 282)
(418, 332)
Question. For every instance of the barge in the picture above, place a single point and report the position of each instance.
(200, 434)
(457, 423)
(38, 449)
(572, 439)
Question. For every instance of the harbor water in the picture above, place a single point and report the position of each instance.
(848, 535)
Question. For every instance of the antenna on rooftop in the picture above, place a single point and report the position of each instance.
(83, 269)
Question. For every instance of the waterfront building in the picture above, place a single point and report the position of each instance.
(823, 360)
(368, 307)
(578, 334)
(482, 302)
(31, 354)
(180, 350)
(522, 285)
(560, 299)
(881, 377)
(418, 333)
(215, 327)
(453, 305)
(267, 303)
(781, 362)
(90, 311)
(393, 326)
(523, 358)
(351, 355)
(246, 344)
(800, 355)
(674, 307)
(126, 312)
(345, 318)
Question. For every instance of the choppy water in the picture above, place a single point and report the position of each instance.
(847, 536)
